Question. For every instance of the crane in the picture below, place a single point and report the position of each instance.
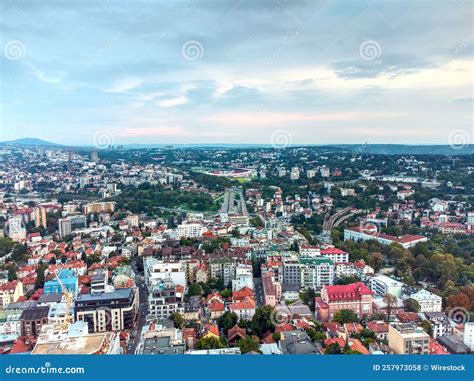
(67, 297)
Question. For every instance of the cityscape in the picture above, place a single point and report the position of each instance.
(198, 250)
(231, 178)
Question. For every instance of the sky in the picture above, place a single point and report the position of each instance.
(263, 72)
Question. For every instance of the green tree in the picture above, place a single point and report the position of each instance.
(262, 321)
(333, 349)
(194, 290)
(428, 328)
(227, 320)
(249, 344)
(209, 343)
(177, 319)
(345, 316)
(412, 305)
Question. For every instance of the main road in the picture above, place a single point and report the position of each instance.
(142, 309)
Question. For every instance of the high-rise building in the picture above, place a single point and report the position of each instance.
(65, 227)
(40, 216)
(15, 229)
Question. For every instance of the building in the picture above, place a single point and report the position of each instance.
(296, 342)
(157, 271)
(243, 277)
(335, 255)
(243, 303)
(10, 292)
(76, 341)
(99, 207)
(295, 173)
(110, 311)
(407, 339)
(32, 319)
(190, 230)
(272, 289)
(69, 280)
(382, 285)
(358, 234)
(441, 324)
(164, 299)
(223, 268)
(316, 273)
(65, 227)
(40, 216)
(99, 281)
(469, 335)
(428, 301)
(379, 328)
(10, 322)
(356, 297)
(291, 271)
(16, 231)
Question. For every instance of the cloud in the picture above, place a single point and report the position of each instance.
(124, 85)
(172, 102)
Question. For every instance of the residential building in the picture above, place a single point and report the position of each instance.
(407, 339)
(32, 319)
(110, 311)
(10, 292)
(356, 297)
(428, 301)
(190, 230)
(164, 299)
(358, 234)
(382, 285)
(316, 273)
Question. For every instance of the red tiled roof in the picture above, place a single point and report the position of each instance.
(347, 292)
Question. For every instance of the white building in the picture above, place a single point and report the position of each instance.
(243, 277)
(156, 271)
(316, 273)
(469, 335)
(428, 301)
(190, 230)
(15, 229)
(382, 285)
(357, 234)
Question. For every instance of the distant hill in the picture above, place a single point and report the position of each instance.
(30, 142)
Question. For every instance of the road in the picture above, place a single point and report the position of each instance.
(142, 310)
(258, 291)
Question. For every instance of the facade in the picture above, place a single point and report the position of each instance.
(440, 323)
(65, 227)
(243, 277)
(316, 273)
(223, 268)
(272, 289)
(110, 311)
(382, 285)
(69, 280)
(98, 207)
(428, 301)
(10, 292)
(190, 230)
(358, 234)
(164, 300)
(407, 339)
(157, 271)
(469, 335)
(32, 319)
(355, 297)
(291, 272)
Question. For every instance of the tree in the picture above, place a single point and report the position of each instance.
(308, 298)
(333, 349)
(209, 343)
(262, 321)
(177, 319)
(6, 245)
(276, 336)
(412, 305)
(39, 283)
(426, 325)
(345, 316)
(194, 290)
(227, 320)
(391, 301)
(249, 344)
(226, 293)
